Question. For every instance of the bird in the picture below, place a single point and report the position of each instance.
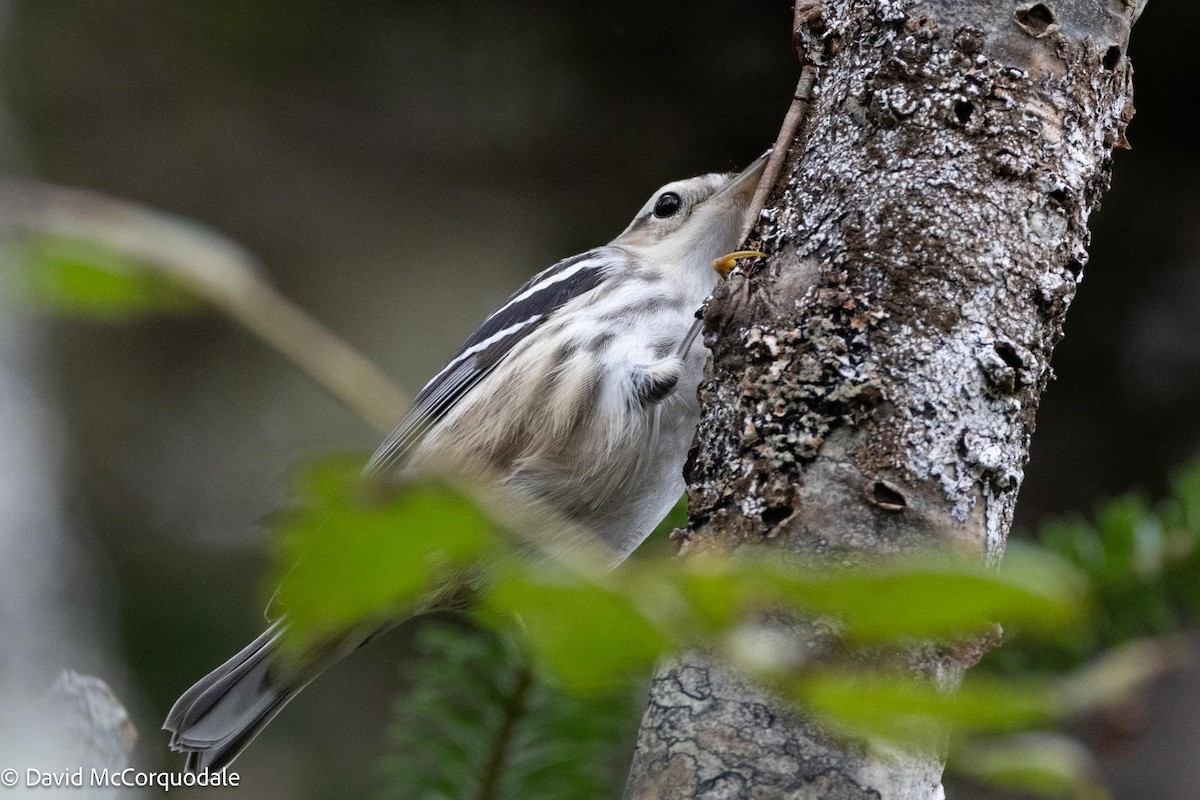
(578, 393)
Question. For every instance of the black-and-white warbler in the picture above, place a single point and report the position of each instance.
(578, 393)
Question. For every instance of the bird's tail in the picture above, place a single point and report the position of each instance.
(214, 720)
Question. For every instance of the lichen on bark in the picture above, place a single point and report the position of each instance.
(874, 385)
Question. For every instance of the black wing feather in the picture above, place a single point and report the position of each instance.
(527, 309)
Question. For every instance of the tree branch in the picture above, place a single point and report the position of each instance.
(873, 388)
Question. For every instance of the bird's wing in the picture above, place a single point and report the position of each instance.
(527, 309)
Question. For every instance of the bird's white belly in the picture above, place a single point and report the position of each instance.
(640, 490)
(602, 459)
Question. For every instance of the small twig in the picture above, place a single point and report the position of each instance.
(805, 12)
(1114, 674)
(216, 270)
(779, 152)
(498, 756)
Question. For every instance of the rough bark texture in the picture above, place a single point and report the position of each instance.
(874, 385)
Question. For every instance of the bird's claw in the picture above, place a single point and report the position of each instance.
(725, 264)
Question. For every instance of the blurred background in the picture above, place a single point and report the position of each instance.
(399, 167)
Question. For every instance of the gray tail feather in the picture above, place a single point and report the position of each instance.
(214, 720)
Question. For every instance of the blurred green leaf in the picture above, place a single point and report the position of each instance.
(355, 551)
(1185, 491)
(1142, 566)
(896, 707)
(925, 596)
(1074, 539)
(1132, 538)
(590, 636)
(367, 553)
(1045, 764)
(74, 276)
(1182, 573)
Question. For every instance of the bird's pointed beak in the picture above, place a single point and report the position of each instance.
(739, 194)
(745, 182)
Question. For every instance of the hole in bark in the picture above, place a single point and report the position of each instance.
(1074, 266)
(690, 463)
(775, 515)
(1037, 20)
(1059, 197)
(1008, 354)
(1112, 57)
(963, 110)
(886, 496)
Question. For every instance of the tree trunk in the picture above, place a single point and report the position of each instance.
(873, 387)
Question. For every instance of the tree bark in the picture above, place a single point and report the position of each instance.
(873, 387)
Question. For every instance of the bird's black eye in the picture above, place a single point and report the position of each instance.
(668, 205)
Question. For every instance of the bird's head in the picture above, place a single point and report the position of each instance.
(693, 221)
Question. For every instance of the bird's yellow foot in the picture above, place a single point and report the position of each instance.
(725, 264)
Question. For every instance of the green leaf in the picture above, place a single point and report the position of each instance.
(1044, 764)
(1132, 538)
(1182, 572)
(925, 596)
(355, 552)
(590, 636)
(1185, 490)
(74, 276)
(1075, 540)
(896, 707)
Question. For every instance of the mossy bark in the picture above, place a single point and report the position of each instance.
(874, 385)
